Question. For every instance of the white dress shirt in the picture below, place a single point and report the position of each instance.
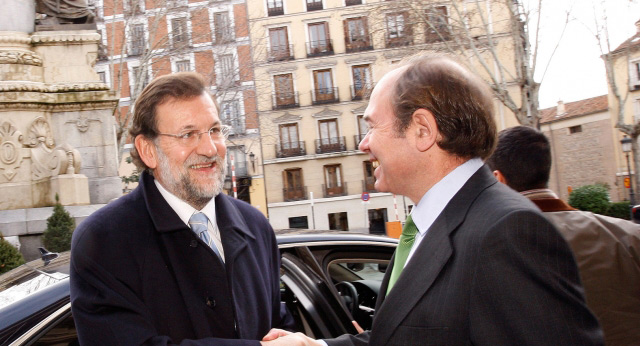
(185, 211)
(436, 199)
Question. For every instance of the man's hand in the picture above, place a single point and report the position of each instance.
(277, 337)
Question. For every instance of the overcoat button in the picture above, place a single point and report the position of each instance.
(194, 243)
(211, 302)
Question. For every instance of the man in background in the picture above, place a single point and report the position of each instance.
(607, 249)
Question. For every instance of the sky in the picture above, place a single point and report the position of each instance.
(576, 71)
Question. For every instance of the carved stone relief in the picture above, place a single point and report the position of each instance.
(46, 161)
(82, 123)
(10, 147)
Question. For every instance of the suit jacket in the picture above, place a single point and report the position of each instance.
(491, 270)
(607, 250)
(139, 275)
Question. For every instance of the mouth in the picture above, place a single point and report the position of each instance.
(202, 165)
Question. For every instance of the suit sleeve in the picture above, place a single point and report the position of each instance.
(526, 288)
(108, 312)
(361, 339)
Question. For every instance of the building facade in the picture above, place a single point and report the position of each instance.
(315, 63)
(143, 39)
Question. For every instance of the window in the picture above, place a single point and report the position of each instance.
(298, 222)
(636, 109)
(352, 2)
(398, 32)
(293, 185)
(231, 116)
(227, 70)
(369, 178)
(575, 129)
(314, 5)
(222, 27)
(377, 221)
(363, 128)
(338, 221)
(103, 76)
(140, 79)
(133, 7)
(289, 141)
(324, 92)
(183, 66)
(275, 8)
(239, 161)
(330, 140)
(361, 81)
(437, 24)
(279, 44)
(285, 96)
(634, 76)
(333, 181)
(356, 34)
(137, 39)
(179, 32)
(319, 42)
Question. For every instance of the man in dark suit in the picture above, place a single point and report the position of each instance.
(484, 266)
(176, 261)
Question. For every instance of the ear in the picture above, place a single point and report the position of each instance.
(147, 151)
(500, 177)
(425, 129)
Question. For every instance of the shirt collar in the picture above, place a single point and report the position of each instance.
(436, 199)
(183, 209)
(540, 194)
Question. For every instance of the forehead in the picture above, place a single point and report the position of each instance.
(194, 112)
(379, 106)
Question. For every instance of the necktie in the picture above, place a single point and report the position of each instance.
(199, 224)
(402, 251)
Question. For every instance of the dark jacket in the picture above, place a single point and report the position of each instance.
(139, 275)
(491, 270)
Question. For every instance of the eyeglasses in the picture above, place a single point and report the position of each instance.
(192, 138)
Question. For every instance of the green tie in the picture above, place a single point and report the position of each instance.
(402, 252)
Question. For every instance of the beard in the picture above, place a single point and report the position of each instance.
(179, 182)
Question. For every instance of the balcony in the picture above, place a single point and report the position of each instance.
(291, 149)
(275, 11)
(368, 184)
(360, 92)
(358, 138)
(334, 191)
(319, 48)
(314, 5)
(330, 145)
(281, 53)
(359, 45)
(284, 100)
(296, 193)
(399, 41)
(353, 2)
(324, 95)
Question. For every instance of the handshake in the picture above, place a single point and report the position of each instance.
(277, 337)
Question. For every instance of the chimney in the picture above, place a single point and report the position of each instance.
(560, 109)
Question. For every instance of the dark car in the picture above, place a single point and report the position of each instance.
(327, 280)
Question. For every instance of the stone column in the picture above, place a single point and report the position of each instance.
(17, 15)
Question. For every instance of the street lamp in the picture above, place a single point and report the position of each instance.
(626, 148)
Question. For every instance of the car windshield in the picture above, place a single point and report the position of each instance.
(31, 277)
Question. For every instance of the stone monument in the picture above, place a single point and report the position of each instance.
(56, 124)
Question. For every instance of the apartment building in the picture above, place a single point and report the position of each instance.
(315, 62)
(143, 39)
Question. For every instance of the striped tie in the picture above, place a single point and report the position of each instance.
(402, 252)
(199, 224)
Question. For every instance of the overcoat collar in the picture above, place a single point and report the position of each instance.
(428, 260)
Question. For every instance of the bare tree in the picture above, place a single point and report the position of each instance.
(618, 67)
(496, 38)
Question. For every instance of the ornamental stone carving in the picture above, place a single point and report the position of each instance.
(82, 123)
(22, 58)
(40, 134)
(10, 147)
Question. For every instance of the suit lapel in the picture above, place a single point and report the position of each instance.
(428, 260)
(234, 231)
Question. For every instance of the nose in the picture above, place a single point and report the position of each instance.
(206, 146)
(364, 143)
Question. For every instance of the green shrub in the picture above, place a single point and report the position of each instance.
(620, 210)
(60, 225)
(10, 257)
(593, 198)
